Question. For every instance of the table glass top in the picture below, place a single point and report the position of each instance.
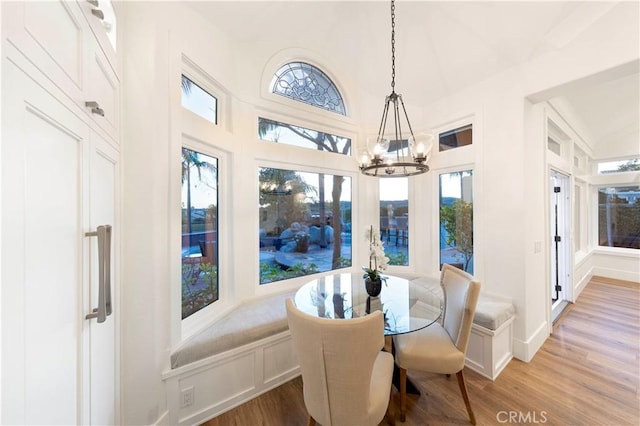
(407, 306)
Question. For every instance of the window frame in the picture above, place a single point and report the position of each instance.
(597, 164)
(216, 117)
(294, 282)
(411, 225)
(276, 104)
(596, 219)
(191, 131)
(436, 235)
(209, 84)
(453, 129)
(217, 227)
(312, 127)
(324, 74)
(197, 320)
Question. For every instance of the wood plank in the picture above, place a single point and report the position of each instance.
(586, 373)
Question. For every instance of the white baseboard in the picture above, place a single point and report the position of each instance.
(580, 285)
(525, 350)
(163, 420)
(616, 274)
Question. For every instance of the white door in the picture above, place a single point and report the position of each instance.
(58, 180)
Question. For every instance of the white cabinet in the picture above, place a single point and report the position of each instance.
(58, 41)
(60, 179)
(103, 88)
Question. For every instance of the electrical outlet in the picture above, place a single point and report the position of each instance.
(187, 396)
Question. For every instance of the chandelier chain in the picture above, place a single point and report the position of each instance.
(393, 46)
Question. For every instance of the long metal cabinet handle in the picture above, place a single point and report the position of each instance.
(104, 308)
(107, 270)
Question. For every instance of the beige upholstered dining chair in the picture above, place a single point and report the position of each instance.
(442, 348)
(346, 377)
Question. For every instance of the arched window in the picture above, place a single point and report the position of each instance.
(305, 216)
(305, 83)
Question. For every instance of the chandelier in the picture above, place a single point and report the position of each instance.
(392, 154)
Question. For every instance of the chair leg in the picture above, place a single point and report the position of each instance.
(311, 421)
(403, 394)
(463, 390)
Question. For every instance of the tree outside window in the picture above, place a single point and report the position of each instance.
(199, 231)
(302, 230)
(619, 216)
(456, 219)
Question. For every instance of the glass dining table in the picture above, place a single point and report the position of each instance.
(406, 305)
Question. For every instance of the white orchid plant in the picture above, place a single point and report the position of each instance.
(378, 262)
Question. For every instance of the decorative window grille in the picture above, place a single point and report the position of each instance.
(303, 82)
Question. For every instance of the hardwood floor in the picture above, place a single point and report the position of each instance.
(586, 373)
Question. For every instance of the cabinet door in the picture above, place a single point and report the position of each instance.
(43, 147)
(103, 199)
(103, 20)
(53, 36)
(59, 181)
(57, 40)
(104, 89)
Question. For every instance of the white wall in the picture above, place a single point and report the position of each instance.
(509, 179)
(148, 163)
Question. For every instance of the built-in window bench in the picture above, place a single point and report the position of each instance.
(249, 352)
(242, 355)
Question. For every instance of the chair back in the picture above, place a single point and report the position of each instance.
(461, 293)
(336, 359)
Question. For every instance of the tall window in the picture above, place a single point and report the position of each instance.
(619, 216)
(199, 231)
(456, 219)
(305, 83)
(305, 223)
(394, 219)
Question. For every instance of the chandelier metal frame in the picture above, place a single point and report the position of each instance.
(374, 164)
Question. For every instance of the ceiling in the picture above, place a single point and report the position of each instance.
(441, 47)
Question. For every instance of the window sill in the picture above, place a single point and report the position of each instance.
(617, 251)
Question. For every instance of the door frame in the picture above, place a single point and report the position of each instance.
(565, 256)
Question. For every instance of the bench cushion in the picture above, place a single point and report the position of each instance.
(251, 321)
(492, 312)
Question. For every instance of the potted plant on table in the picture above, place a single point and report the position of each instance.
(378, 262)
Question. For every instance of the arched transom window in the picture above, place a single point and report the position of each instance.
(305, 83)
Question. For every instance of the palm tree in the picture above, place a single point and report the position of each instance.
(192, 159)
(185, 85)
